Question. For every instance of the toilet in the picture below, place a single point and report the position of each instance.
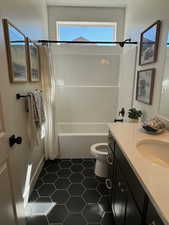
(100, 152)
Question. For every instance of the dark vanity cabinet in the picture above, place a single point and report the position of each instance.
(120, 197)
(130, 203)
(152, 218)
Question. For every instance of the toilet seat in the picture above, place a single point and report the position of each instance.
(100, 153)
(98, 150)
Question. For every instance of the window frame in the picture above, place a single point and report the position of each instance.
(84, 23)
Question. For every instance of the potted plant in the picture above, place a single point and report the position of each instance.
(134, 114)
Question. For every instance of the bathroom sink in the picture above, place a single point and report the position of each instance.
(154, 150)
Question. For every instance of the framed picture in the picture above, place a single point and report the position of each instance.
(17, 55)
(149, 44)
(34, 61)
(145, 86)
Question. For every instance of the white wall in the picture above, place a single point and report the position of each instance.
(30, 17)
(140, 15)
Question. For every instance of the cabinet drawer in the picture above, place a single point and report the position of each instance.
(152, 217)
(133, 183)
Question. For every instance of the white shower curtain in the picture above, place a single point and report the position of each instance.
(48, 88)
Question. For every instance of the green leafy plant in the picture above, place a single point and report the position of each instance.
(133, 113)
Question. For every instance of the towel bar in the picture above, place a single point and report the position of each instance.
(18, 96)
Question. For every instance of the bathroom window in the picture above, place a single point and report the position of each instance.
(86, 31)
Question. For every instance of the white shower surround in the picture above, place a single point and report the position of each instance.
(87, 82)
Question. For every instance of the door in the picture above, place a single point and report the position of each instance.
(7, 202)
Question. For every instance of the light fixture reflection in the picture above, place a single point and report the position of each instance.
(60, 83)
(104, 61)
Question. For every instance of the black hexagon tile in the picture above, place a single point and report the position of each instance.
(88, 173)
(105, 203)
(77, 161)
(76, 178)
(37, 220)
(46, 190)
(52, 168)
(62, 183)
(88, 163)
(42, 173)
(76, 189)
(39, 183)
(60, 196)
(93, 213)
(64, 172)
(91, 196)
(48, 163)
(76, 168)
(75, 204)
(90, 183)
(57, 214)
(108, 219)
(68, 193)
(50, 178)
(65, 163)
(75, 219)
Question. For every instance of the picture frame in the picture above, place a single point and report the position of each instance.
(34, 61)
(145, 86)
(149, 42)
(17, 55)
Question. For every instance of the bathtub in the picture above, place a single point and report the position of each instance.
(75, 139)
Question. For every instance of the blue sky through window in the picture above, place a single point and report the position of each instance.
(150, 34)
(90, 33)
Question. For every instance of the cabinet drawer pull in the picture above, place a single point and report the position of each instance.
(108, 184)
(109, 159)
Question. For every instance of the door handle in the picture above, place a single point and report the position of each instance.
(15, 140)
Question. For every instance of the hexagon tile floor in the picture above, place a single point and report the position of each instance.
(68, 193)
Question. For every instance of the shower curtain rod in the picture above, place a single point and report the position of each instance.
(121, 43)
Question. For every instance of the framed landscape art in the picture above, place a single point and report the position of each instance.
(149, 44)
(17, 55)
(145, 86)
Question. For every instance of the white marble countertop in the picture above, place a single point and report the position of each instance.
(154, 178)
